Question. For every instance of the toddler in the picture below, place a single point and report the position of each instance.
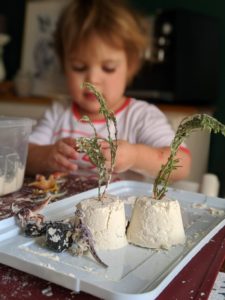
(102, 42)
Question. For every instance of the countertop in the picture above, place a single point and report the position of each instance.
(8, 94)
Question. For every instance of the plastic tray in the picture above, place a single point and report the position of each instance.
(134, 272)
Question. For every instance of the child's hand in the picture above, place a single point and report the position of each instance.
(50, 158)
(145, 159)
(61, 154)
(126, 155)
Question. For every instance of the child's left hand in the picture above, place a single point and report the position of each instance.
(126, 155)
(145, 159)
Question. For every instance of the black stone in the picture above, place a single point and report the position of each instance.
(33, 230)
(59, 236)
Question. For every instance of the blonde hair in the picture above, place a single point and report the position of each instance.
(115, 22)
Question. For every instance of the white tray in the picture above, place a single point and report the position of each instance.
(133, 272)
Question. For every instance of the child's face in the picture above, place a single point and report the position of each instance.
(102, 65)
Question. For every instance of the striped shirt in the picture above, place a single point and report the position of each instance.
(137, 122)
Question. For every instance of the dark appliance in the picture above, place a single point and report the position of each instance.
(184, 63)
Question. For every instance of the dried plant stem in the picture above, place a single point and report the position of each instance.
(186, 127)
(92, 146)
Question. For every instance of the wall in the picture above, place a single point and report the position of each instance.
(14, 11)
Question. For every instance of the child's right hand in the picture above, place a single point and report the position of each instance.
(61, 154)
(50, 158)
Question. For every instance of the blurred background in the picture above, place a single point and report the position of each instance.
(185, 64)
(214, 10)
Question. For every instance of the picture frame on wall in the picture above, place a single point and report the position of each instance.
(39, 59)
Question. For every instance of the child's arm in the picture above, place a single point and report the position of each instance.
(147, 160)
(44, 159)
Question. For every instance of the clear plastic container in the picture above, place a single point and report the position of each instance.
(14, 134)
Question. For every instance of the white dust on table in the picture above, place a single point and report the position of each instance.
(47, 292)
(20, 283)
(48, 266)
(211, 210)
(130, 200)
(23, 285)
(49, 255)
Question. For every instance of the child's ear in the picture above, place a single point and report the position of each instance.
(131, 72)
(134, 65)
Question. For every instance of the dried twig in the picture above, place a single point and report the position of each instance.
(187, 126)
(92, 146)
